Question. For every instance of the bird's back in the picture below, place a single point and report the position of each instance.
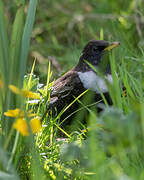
(65, 89)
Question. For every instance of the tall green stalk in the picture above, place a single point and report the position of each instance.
(26, 38)
(13, 60)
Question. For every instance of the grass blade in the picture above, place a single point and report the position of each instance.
(26, 37)
(15, 45)
(4, 57)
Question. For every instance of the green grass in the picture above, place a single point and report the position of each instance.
(111, 145)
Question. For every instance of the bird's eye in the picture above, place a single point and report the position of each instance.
(95, 49)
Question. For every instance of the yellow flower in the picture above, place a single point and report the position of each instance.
(21, 126)
(30, 94)
(31, 114)
(18, 113)
(14, 113)
(35, 124)
(24, 92)
(14, 89)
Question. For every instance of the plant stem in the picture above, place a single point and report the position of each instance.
(13, 150)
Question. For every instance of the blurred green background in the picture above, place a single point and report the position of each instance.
(62, 28)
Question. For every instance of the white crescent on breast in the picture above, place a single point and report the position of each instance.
(92, 81)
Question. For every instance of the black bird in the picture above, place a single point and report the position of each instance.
(82, 77)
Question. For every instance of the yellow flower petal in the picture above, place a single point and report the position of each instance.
(30, 94)
(31, 114)
(35, 125)
(24, 92)
(14, 113)
(21, 126)
(14, 89)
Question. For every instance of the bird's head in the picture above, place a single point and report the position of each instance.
(95, 49)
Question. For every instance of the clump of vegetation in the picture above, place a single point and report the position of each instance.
(111, 144)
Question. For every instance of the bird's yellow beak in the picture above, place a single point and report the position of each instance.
(111, 46)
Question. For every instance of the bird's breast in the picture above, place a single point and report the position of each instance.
(92, 81)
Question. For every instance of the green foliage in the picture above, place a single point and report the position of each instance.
(12, 72)
(110, 146)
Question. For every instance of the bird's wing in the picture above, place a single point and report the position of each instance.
(65, 85)
(63, 91)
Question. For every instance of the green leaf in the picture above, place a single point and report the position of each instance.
(4, 50)
(26, 37)
(6, 176)
(4, 173)
(15, 45)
